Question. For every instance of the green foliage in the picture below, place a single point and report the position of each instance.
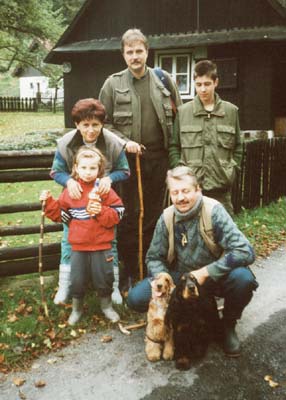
(29, 29)
(264, 227)
(23, 23)
(9, 86)
(67, 8)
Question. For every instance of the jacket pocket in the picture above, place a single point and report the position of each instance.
(229, 169)
(122, 96)
(191, 136)
(226, 136)
(122, 117)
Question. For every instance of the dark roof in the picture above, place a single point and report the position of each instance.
(279, 6)
(168, 41)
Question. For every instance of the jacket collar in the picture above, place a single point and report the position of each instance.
(218, 110)
(192, 213)
(77, 142)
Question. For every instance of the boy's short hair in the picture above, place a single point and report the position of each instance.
(180, 172)
(88, 109)
(206, 67)
(89, 152)
(133, 35)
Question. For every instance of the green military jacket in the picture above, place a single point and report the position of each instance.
(208, 142)
(123, 107)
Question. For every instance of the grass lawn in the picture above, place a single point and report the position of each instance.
(25, 192)
(19, 123)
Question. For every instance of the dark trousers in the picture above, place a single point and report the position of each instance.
(96, 266)
(236, 289)
(153, 177)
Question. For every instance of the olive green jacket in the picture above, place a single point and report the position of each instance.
(209, 143)
(123, 107)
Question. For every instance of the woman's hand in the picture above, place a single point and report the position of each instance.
(133, 147)
(104, 185)
(74, 189)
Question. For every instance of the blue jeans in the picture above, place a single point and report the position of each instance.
(236, 289)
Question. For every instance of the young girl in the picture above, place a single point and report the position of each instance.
(91, 232)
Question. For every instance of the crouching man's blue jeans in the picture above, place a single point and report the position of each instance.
(236, 288)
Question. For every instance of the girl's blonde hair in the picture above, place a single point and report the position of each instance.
(89, 152)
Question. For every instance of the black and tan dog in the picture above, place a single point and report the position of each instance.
(193, 315)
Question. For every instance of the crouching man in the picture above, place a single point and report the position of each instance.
(198, 235)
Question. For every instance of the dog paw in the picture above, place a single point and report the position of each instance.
(183, 363)
(153, 358)
(168, 355)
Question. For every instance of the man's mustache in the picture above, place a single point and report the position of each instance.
(179, 203)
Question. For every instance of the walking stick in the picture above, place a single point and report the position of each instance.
(141, 216)
(44, 302)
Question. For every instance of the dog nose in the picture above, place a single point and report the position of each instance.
(159, 286)
(191, 288)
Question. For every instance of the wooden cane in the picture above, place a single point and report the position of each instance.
(44, 302)
(141, 216)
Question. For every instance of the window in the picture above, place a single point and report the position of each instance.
(179, 65)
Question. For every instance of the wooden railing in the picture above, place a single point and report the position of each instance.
(26, 166)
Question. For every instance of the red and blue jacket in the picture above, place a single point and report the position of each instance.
(86, 232)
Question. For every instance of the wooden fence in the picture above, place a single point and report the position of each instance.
(262, 177)
(262, 180)
(28, 166)
(30, 104)
(18, 104)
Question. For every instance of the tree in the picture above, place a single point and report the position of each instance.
(67, 8)
(29, 29)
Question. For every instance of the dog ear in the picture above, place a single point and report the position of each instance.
(171, 284)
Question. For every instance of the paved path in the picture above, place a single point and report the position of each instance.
(91, 370)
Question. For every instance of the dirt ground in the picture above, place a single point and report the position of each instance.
(92, 370)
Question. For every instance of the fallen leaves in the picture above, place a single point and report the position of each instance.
(40, 384)
(22, 395)
(12, 318)
(106, 339)
(19, 381)
(271, 382)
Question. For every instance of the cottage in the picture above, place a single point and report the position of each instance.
(247, 39)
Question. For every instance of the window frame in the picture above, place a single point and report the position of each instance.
(191, 63)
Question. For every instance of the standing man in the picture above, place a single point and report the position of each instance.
(139, 110)
(207, 138)
(182, 247)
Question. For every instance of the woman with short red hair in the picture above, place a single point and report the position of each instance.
(88, 116)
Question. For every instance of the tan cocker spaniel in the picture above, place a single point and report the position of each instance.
(159, 337)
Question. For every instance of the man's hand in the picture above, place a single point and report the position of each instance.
(133, 147)
(201, 275)
(104, 185)
(74, 189)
